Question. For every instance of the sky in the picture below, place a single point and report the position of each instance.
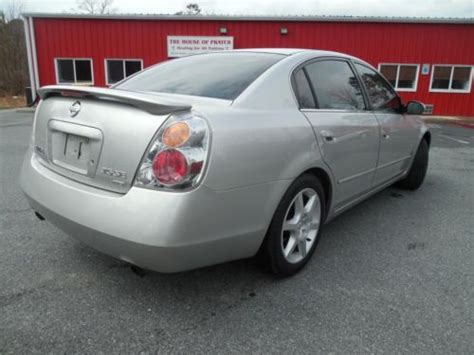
(403, 8)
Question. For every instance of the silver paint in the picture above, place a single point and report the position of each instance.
(260, 143)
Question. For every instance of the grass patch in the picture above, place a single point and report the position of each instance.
(12, 101)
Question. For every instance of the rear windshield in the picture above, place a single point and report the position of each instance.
(218, 75)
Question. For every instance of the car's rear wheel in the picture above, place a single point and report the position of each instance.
(296, 226)
(418, 169)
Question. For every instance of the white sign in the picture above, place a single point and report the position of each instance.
(425, 69)
(180, 46)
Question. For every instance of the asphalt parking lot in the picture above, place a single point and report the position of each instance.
(394, 274)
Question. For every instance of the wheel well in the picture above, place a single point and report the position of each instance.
(427, 137)
(326, 182)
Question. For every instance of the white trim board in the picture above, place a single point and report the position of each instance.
(415, 88)
(449, 90)
(91, 61)
(124, 71)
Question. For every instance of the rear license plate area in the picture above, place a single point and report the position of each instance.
(71, 152)
(73, 148)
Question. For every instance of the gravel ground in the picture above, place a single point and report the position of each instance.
(394, 274)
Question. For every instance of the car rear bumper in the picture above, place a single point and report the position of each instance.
(157, 230)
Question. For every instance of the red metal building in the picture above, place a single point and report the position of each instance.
(426, 59)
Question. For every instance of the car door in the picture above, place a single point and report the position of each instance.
(397, 133)
(348, 134)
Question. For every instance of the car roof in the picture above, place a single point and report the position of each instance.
(273, 86)
(283, 51)
(293, 51)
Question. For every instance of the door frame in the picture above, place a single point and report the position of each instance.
(366, 110)
(379, 166)
(367, 103)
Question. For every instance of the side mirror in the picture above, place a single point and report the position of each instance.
(415, 108)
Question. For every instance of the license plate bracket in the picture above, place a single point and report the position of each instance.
(74, 147)
(75, 152)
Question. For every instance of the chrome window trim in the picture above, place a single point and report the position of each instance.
(349, 62)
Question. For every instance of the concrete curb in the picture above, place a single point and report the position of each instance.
(466, 122)
(26, 109)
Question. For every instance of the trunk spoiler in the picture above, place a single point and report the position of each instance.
(144, 101)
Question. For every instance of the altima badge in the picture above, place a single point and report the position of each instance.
(74, 109)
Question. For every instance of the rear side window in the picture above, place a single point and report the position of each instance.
(217, 75)
(303, 90)
(335, 85)
(381, 95)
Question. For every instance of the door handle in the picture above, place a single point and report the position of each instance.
(328, 136)
(386, 135)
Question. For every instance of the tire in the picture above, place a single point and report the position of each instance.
(287, 247)
(418, 169)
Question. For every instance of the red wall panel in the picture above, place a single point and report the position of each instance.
(376, 43)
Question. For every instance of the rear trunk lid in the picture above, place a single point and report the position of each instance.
(98, 136)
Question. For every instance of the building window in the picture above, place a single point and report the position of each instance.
(403, 77)
(74, 71)
(119, 69)
(451, 78)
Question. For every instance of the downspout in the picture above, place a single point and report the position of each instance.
(30, 59)
(33, 52)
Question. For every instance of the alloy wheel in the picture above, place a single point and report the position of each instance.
(301, 225)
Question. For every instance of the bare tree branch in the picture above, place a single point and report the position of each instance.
(191, 9)
(14, 10)
(100, 7)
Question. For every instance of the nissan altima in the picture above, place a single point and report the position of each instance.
(221, 156)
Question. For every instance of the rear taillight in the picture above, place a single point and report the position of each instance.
(170, 166)
(177, 157)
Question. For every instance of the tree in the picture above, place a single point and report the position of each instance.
(191, 9)
(100, 7)
(13, 64)
(14, 10)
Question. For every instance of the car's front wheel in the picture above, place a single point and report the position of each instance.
(417, 173)
(296, 226)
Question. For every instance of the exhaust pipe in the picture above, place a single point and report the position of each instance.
(40, 217)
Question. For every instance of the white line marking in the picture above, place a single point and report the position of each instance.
(454, 139)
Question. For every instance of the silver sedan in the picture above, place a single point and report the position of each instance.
(222, 156)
